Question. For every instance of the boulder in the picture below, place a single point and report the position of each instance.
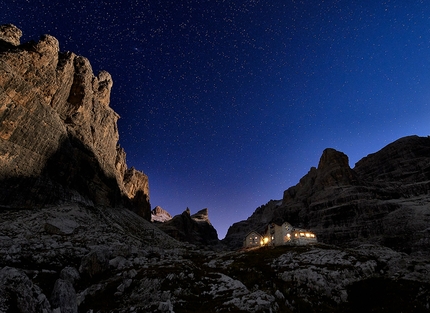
(63, 297)
(60, 226)
(70, 274)
(95, 262)
(19, 294)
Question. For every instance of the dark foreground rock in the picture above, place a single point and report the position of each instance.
(114, 261)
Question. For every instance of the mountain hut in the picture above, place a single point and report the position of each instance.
(286, 234)
(253, 239)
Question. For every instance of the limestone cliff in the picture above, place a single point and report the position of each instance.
(195, 228)
(384, 199)
(58, 135)
(158, 214)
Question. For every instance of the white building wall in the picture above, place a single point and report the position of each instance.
(286, 234)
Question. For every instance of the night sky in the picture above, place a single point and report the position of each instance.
(225, 104)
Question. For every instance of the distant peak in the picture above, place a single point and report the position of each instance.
(187, 212)
(201, 216)
(332, 158)
(203, 212)
(158, 214)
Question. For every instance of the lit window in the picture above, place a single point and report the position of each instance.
(295, 235)
(302, 234)
(312, 235)
(308, 235)
(288, 235)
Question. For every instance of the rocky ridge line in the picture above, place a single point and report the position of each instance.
(383, 200)
(196, 229)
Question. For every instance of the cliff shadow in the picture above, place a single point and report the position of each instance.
(71, 174)
(6, 46)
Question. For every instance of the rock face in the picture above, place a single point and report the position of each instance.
(384, 199)
(195, 228)
(158, 214)
(115, 261)
(58, 135)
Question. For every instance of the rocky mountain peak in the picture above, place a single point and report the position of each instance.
(201, 216)
(58, 135)
(196, 228)
(158, 214)
(333, 169)
(332, 159)
(159, 210)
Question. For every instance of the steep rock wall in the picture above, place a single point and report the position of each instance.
(384, 199)
(58, 135)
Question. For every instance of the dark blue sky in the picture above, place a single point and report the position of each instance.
(225, 104)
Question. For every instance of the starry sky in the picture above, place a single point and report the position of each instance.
(224, 104)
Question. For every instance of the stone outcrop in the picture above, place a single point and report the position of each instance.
(384, 199)
(58, 135)
(64, 296)
(158, 214)
(19, 294)
(136, 188)
(195, 229)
